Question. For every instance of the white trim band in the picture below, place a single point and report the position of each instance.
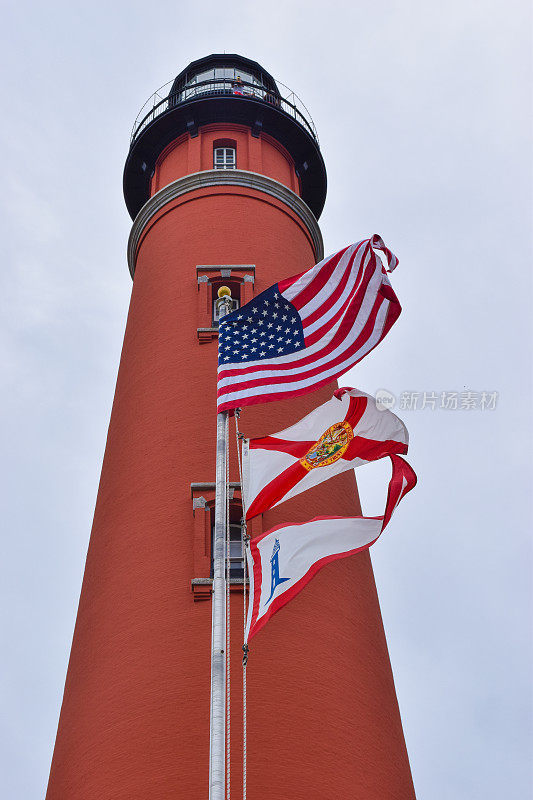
(216, 177)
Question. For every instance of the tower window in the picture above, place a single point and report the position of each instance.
(236, 545)
(234, 307)
(236, 551)
(224, 158)
(235, 296)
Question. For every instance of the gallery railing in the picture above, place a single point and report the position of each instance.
(165, 99)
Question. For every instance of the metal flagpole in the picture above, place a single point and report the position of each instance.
(217, 730)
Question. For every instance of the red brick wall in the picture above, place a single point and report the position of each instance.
(194, 154)
(323, 720)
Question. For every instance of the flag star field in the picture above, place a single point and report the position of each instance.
(268, 326)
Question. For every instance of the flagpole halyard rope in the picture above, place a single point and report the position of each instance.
(228, 642)
(245, 537)
(244, 730)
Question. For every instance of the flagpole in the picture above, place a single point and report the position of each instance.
(217, 730)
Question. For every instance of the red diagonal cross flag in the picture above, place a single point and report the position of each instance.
(345, 432)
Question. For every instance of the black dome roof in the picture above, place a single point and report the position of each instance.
(199, 97)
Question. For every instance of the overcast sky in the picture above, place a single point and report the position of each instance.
(424, 117)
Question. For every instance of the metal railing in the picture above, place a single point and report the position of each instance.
(165, 99)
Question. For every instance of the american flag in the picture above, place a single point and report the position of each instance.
(307, 330)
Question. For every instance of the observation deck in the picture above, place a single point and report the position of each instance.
(224, 88)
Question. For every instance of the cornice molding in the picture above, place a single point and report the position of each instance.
(216, 177)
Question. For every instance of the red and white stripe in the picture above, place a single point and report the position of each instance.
(347, 306)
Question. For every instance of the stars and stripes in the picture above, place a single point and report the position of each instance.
(307, 330)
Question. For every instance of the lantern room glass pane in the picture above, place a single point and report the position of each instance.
(208, 75)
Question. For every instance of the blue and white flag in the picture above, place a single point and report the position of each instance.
(283, 560)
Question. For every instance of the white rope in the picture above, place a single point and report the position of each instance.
(245, 659)
(228, 648)
(244, 731)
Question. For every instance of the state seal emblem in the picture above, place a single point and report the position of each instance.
(330, 447)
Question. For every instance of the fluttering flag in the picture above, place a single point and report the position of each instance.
(352, 431)
(283, 560)
(307, 330)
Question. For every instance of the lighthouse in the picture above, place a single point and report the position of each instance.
(225, 183)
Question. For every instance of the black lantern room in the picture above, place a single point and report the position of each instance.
(224, 88)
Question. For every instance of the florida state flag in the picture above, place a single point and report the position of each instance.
(346, 432)
(283, 560)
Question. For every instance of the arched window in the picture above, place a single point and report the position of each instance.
(224, 154)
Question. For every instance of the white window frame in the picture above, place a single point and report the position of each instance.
(224, 158)
(236, 561)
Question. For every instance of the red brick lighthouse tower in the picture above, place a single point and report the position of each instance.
(225, 182)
